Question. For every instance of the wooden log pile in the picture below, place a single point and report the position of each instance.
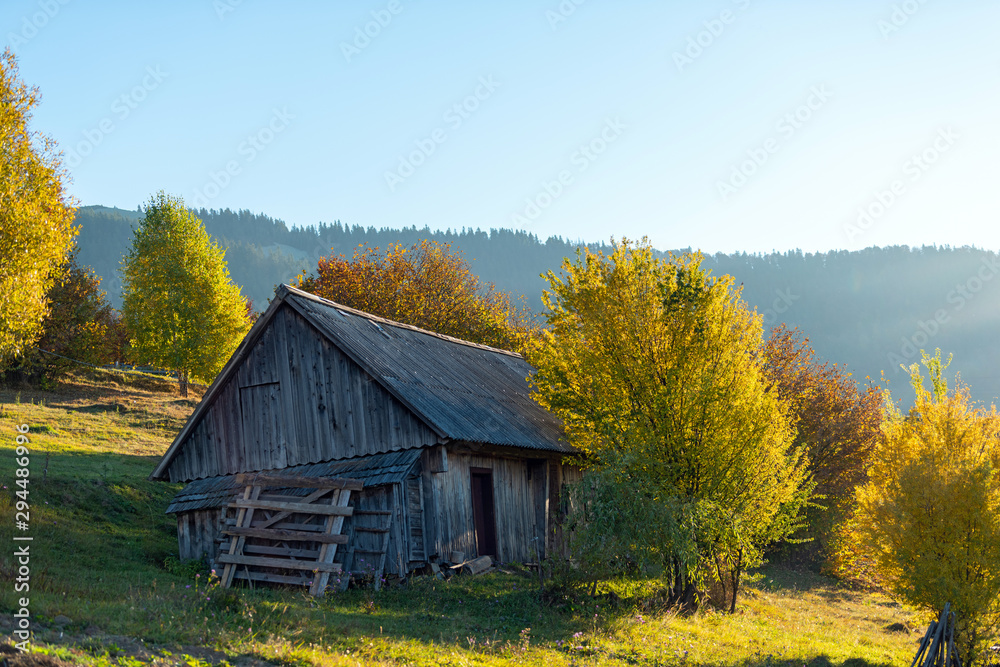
(937, 648)
(287, 539)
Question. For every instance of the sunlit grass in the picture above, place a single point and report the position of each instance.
(102, 544)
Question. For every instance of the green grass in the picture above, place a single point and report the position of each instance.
(104, 555)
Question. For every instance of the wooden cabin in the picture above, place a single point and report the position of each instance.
(453, 453)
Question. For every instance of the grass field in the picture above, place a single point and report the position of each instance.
(103, 558)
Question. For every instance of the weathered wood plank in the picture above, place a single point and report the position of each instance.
(292, 429)
(289, 525)
(300, 580)
(250, 493)
(430, 507)
(290, 535)
(334, 525)
(415, 519)
(284, 563)
(290, 481)
(315, 495)
(286, 552)
(304, 508)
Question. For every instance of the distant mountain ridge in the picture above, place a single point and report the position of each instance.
(872, 309)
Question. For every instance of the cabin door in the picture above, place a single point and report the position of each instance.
(263, 426)
(483, 514)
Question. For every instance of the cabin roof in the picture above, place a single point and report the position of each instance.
(374, 470)
(463, 391)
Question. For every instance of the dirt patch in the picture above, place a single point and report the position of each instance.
(11, 657)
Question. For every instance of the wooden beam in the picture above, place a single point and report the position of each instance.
(249, 494)
(437, 459)
(282, 563)
(289, 525)
(300, 580)
(284, 552)
(291, 535)
(334, 524)
(294, 482)
(304, 508)
(281, 516)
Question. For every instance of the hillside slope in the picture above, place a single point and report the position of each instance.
(102, 558)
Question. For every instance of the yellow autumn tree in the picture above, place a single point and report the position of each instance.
(655, 369)
(36, 215)
(928, 519)
(180, 307)
(427, 285)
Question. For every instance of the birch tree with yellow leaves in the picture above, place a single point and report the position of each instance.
(656, 370)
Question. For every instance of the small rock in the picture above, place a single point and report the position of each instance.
(897, 627)
(92, 630)
(61, 620)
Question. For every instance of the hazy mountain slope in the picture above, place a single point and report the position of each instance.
(871, 309)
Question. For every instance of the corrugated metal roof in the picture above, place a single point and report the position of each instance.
(465, 391)
(375, 470)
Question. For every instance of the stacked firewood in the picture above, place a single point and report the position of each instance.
(937, 648)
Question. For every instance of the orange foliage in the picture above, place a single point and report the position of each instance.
(837, 421)
(426, 285)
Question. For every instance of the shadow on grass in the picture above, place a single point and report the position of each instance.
(824, 661)
(95, 409)
(783, 580)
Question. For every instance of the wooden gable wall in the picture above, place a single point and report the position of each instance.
(295, 399)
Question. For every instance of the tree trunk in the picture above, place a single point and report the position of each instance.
(182, 383)
(736, 575)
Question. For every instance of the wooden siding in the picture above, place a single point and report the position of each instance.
(516, 496)
(359, 556)
(431, 513)
(415, 520)
(295, 399)
(197, 532)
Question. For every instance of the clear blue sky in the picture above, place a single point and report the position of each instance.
(820, 107)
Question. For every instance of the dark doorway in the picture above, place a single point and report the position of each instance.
(483, 515)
